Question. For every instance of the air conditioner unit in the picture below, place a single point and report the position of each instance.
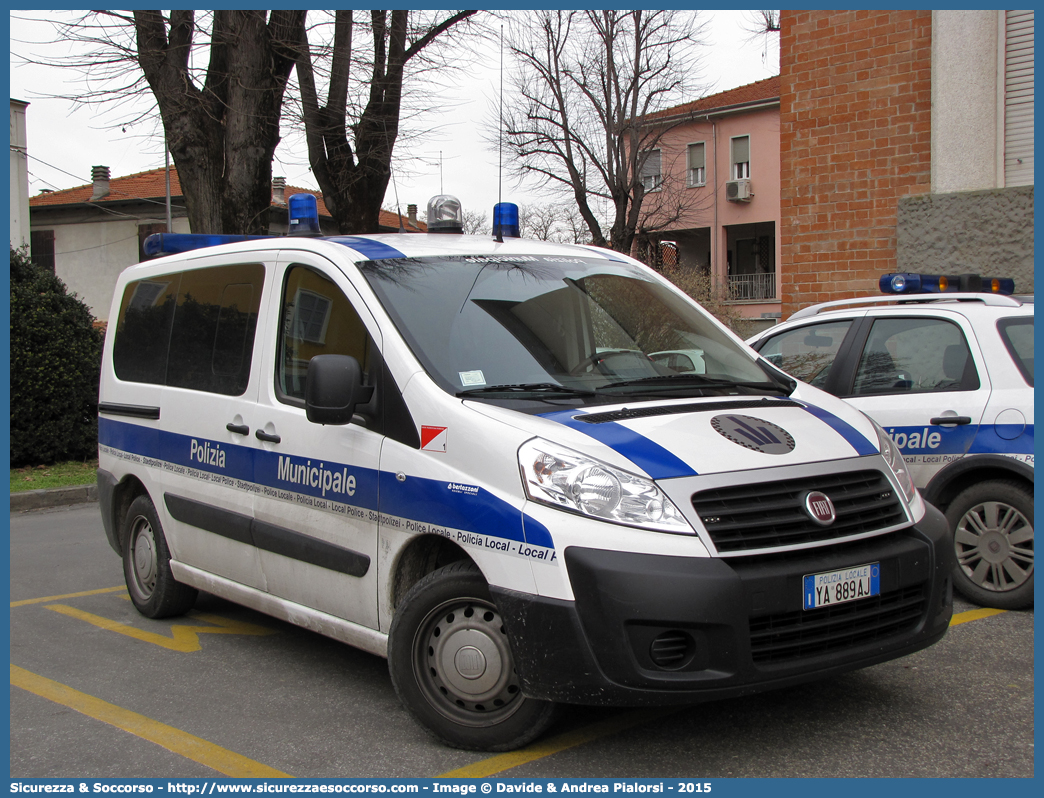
(738, 191)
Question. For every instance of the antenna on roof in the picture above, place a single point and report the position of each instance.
(500, 166)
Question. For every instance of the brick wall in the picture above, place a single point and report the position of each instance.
(855, 136)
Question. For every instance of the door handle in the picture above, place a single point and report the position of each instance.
(957, 421)
(261, 435)
(239, 429)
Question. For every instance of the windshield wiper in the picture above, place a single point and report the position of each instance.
(528, 387)
(681, 381)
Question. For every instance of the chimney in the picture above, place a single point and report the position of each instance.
(279, 190)
(100, 177)
(411, 215)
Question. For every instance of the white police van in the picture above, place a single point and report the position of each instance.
(456, 452)
(945, 365)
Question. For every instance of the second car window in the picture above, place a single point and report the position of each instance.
(915, 355)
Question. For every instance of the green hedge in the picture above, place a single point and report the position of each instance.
(55, 363)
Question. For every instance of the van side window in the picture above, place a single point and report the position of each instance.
(190, 330)
(317, 320)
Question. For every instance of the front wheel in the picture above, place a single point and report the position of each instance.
(992, 525)
(452, 667)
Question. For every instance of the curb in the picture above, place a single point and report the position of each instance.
(53, 497)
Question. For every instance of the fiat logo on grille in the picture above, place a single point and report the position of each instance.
(819, 508)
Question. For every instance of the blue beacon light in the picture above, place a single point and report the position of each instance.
(303, 211)
(505, 221)
(304, 221)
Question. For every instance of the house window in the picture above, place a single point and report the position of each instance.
(652, 177)
(311, 316)
(740, 157)
(144, 231)
(41, 248)
(697, 164)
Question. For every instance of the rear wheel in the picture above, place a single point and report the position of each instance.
(992, 525)
(452, 667)
(146, 565)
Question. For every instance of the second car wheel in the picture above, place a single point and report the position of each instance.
(452, 667)
(992, 525)
(146, 565)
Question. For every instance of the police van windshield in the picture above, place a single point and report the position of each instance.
(494, 327)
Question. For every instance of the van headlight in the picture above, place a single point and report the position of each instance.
(571, 481)
(890, 452)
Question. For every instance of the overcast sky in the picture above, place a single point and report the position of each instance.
(65, 141)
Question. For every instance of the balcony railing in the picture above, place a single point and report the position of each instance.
(752, 286)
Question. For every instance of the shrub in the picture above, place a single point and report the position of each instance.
(713, 297)
(55, 364)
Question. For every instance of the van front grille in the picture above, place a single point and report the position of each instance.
(771, 515)
(806, 633)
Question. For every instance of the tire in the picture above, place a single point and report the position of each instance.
(992, 525)
(452, 667)
(146, 565)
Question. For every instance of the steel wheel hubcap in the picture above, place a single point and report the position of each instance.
(464, 665)
(994, 545)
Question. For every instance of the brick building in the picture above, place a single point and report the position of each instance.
(904, 148)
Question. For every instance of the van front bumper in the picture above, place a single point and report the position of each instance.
(649, 629)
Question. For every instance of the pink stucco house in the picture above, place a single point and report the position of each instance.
(721, 156)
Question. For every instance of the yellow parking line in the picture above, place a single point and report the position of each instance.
(539, 750)
(182, 638)
(974, 615)
(182, 743)
(24, 602)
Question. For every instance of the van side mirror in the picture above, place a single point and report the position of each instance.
(333, 388)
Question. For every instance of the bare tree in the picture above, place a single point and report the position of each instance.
(350, 149)
(476, 223)
(586, 82)
(222, 135)
(221, 80)
(218, 81)
(540, 221)
(762, 23)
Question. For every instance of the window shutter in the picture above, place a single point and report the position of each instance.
(741, 149)
(651, 167)
(1018, 99)
(651, 170)
(697, 156)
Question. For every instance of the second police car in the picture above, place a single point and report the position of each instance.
(456, 452)
(945, 365)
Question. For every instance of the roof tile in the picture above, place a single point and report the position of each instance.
(151, 185)
(762, 90)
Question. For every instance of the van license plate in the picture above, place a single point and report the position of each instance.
(837, 587)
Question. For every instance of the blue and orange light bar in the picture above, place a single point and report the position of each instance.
(909, 283)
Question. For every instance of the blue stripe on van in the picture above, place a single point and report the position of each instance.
(656, 461)
(854, 437)
(435, 503)
(374, 250)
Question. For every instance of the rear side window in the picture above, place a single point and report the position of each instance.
(1018, 337)
(194, 329)
(915, 356)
